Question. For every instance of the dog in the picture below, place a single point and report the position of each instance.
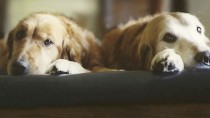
(165, 42)
(49, 43)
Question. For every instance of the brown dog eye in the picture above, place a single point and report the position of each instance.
(169, 38)
(48, 42)
(199, 30)
(20, 34)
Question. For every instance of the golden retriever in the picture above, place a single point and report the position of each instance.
(49, 43)
(166, 42)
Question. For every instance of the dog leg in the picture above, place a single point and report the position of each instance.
(167, 61)
(62, 66)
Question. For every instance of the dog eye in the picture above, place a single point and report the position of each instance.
(20, 34)
(170, 38)
(48, 42)
(199, 30)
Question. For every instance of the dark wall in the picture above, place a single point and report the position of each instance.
(2, 16)
(179, 6)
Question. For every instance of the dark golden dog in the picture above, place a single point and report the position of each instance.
(43, 42)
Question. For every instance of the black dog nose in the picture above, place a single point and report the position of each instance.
(203, 57)
(20, 67)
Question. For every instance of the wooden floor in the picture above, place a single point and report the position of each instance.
(129, 111)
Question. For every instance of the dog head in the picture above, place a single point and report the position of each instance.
(40, 39)
(182, 32)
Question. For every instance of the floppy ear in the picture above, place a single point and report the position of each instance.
(142, 49)
(124, 44)
(147, 46)
(71, 47)
(10, 43)
(6, 49)
(2, 45)
(70, 51)
(146, 55)
(81, 46)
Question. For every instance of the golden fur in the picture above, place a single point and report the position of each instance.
(70, 41)
(133, 46)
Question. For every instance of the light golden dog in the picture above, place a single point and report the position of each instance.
(167, 42)
(49, 43)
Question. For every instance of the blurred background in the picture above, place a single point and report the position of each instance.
(99, 15)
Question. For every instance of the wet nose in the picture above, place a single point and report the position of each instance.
(20, 67)
(203, 57)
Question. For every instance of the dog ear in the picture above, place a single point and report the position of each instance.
(143, 50)
(71, 47)
(126, 36)
(81, 46)
(70, 51)
(147, 46)
(10, 43)
(145, 56)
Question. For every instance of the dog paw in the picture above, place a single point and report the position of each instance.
(167, 61)
(62, 66)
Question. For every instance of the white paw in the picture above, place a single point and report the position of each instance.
(167, 61)
(62, 66)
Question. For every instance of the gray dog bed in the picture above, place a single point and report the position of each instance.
(128, 87)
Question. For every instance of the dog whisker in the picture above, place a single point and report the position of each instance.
(177, 51)
(165, 46)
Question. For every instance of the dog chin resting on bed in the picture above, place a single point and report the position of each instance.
(166, 42)
(49, 43)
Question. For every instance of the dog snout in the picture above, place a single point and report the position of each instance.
(20, 67)
(203, 57)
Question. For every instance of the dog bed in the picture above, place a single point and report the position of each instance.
(127, 87)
